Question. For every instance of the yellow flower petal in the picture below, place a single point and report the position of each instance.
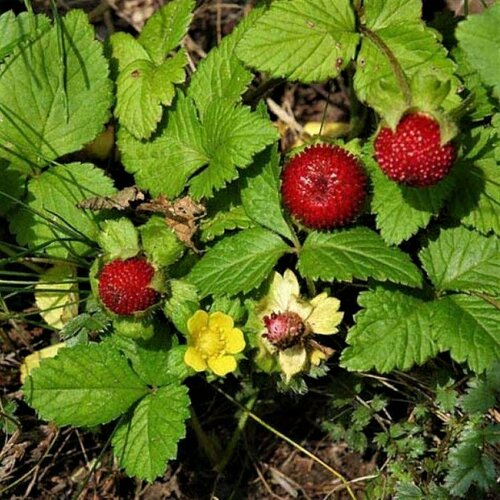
(235, 341)
(292, 361)
(301, 307)
(281, 292)
(193, 359)
(317, 356)
(220, 320)
(197, 321)
(325, 316)
(223, 365)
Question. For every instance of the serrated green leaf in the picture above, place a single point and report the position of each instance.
(221, 73)
(475, 201)
(166, 28)
(232, 136)
(160, 243)
(467, 326)
(478, 36)
(119, 238)
(13, 184)
(460, 259)
(400, 210)
(15, 30)
(482, 392)
(145, 441)
(238, 263)
(163, 164)
(234, 218)
(261, 193)
(52, 216)
(394, 330)
(380, 14)
(306, 40)
(183, 302)
(355, 253)
(53, 102)
(86, 385)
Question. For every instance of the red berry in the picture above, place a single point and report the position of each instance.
(284, 329)
(413, 154)
(324, 186)
(124, 285)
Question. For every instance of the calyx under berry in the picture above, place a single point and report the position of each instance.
(324, 186)
(284, 330)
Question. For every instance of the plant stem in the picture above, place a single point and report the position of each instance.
(252, 97)
(396, 67)
(229, 451)
(12, 253)
(204, 441)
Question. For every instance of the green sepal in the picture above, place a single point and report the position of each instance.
(160, 244)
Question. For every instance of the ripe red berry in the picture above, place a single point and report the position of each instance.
(124, 285)
(324, 186)
(413, 154)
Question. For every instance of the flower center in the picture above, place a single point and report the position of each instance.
(284, 330)
(211, 342)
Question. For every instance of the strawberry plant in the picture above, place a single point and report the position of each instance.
(175, 240)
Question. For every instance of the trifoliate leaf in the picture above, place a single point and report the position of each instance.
(400, 210)
(119, 239)
(160, 243)
(56, 295)
(166, 28)
(395, 31)
(467, 326)
(478, 36)
(394, 330)
(221, 73)
(15, 30)
(86, 385)
(238, 263)
(54, 94)
(234, 218)
(182, 304)
(12, 187)
(152, 358)
(261, 193)
(306, 40)
(355, 253)
(232, 136)
(460, 259)
(51, 217)
(145, 441)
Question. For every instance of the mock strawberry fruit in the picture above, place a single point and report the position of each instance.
(324, 186)
(124, 286)
(413, 154)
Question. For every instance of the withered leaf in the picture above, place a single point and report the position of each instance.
(119, 201)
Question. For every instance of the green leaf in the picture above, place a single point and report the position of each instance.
(475, 201)
(467, 326)
(15, 30)
(415, 47)
(394, 330)
(400, 210)
(86, 385)
(163, 164)
(232, 136)
(460, 259)
(145, 442)
(53, 100)
(238, 263)
(482, 392)
(182, 304)
(51, 216)
(306, 40)
(234, 218)
(13, 184)
(142, 89)
(261, 193)
(355, 253)
(221, 73)
(119, 238)
(155, 360)
(478, 36)
(166, 28)
(160, 243)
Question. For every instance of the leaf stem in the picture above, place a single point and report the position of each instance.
(290, 441)
(204, 441)
(396, 67)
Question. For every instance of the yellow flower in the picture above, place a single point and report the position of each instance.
(289, 321)
(212, 342)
